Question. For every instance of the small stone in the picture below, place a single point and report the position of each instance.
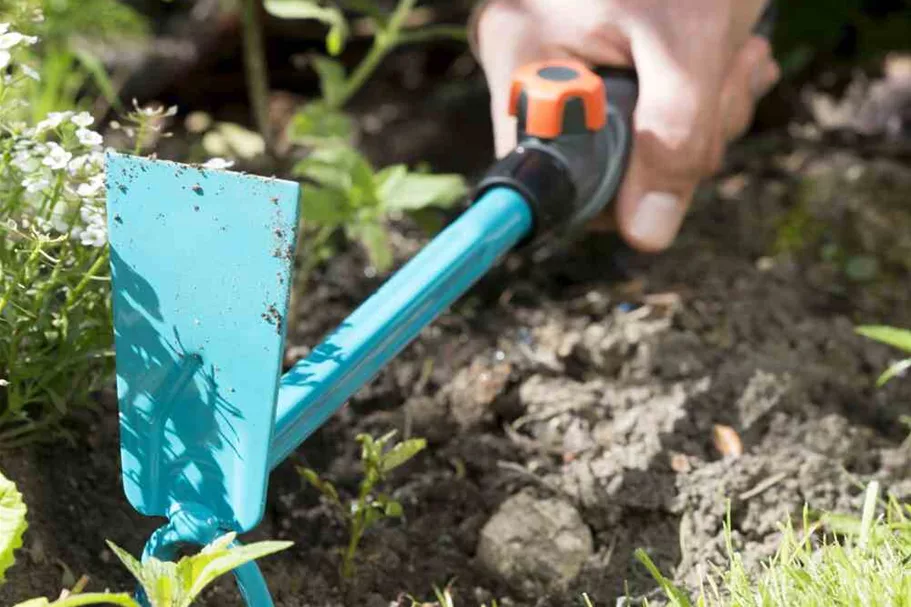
(535, 544)
(727, 441)
(680, 463)
(473, 390)
(765, 264)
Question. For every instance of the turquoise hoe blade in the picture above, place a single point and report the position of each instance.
(201, 269)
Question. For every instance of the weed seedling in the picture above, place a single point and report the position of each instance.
(898, 338)
(166, 584)
(178, 584)
(369, 507)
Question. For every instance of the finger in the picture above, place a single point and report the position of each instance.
(752, 75)
(508, 37)
(677, 136)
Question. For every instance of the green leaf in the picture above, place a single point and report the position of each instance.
(316, 124)
(383, 440)
(368, 448)
(372, 515)
(389, 178)
(675, 594)
(340, 167)
(178, 584)
(233, 141)
(893, 371)
(324, 487)
(401, 453)
(324, 206)
(373, 236)
(332, 77)
(205, 567)
(91, 598)
(309, 9)
(898, 338)
(393, 509)
(412, 191)
(131, 563)
(12, 524)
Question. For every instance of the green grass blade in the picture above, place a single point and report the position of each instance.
(898, 338)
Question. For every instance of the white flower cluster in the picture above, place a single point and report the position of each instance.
(58, 165)
(8, 41)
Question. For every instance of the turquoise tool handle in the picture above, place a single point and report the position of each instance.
(384, 324)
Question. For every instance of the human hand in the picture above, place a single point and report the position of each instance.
(701, 72)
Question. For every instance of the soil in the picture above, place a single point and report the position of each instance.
(589, 374)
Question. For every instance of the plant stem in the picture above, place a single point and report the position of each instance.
(7, 294)
(257, 72)
(80, 287)
(383, 43)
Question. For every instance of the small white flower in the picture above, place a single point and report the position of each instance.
(89, 138)
(4, 27)
(83, 119)
(218, 164)
(26, 162)
(30, 73)
(53, 120)
(3, 383)
(35, 184)
(77, 164)
(57, 158)
(93, 235)
(91, 187)
(58, 220)
(151, 111)
(43, 224)
(11, 224)
(4, 59)
(38, 16)
(12, 39)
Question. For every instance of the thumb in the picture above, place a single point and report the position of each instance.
(508, 37)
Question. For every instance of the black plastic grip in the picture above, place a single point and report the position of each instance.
(571, 178)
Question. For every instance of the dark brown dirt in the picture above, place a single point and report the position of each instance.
(591, 374)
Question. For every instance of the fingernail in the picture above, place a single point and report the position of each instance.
(656, 220)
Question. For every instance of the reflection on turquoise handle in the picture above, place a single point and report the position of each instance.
(425, 287)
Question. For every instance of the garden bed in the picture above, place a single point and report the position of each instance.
(591, 380)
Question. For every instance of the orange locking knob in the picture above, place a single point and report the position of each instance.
(552, 98)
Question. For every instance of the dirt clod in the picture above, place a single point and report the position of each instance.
(535, 543)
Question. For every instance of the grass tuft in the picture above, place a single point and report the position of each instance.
(838, 560)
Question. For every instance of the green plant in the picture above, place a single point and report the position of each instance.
(343, 191)
(54, 316)
(378, 459)
(64, 59)
(444, 598)
(389, 33)
(898, 338)
(12, 524)
(854, 562)
(168, 584)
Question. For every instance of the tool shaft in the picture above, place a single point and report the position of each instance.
(316, 387)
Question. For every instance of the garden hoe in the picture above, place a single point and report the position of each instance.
(202, 267)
